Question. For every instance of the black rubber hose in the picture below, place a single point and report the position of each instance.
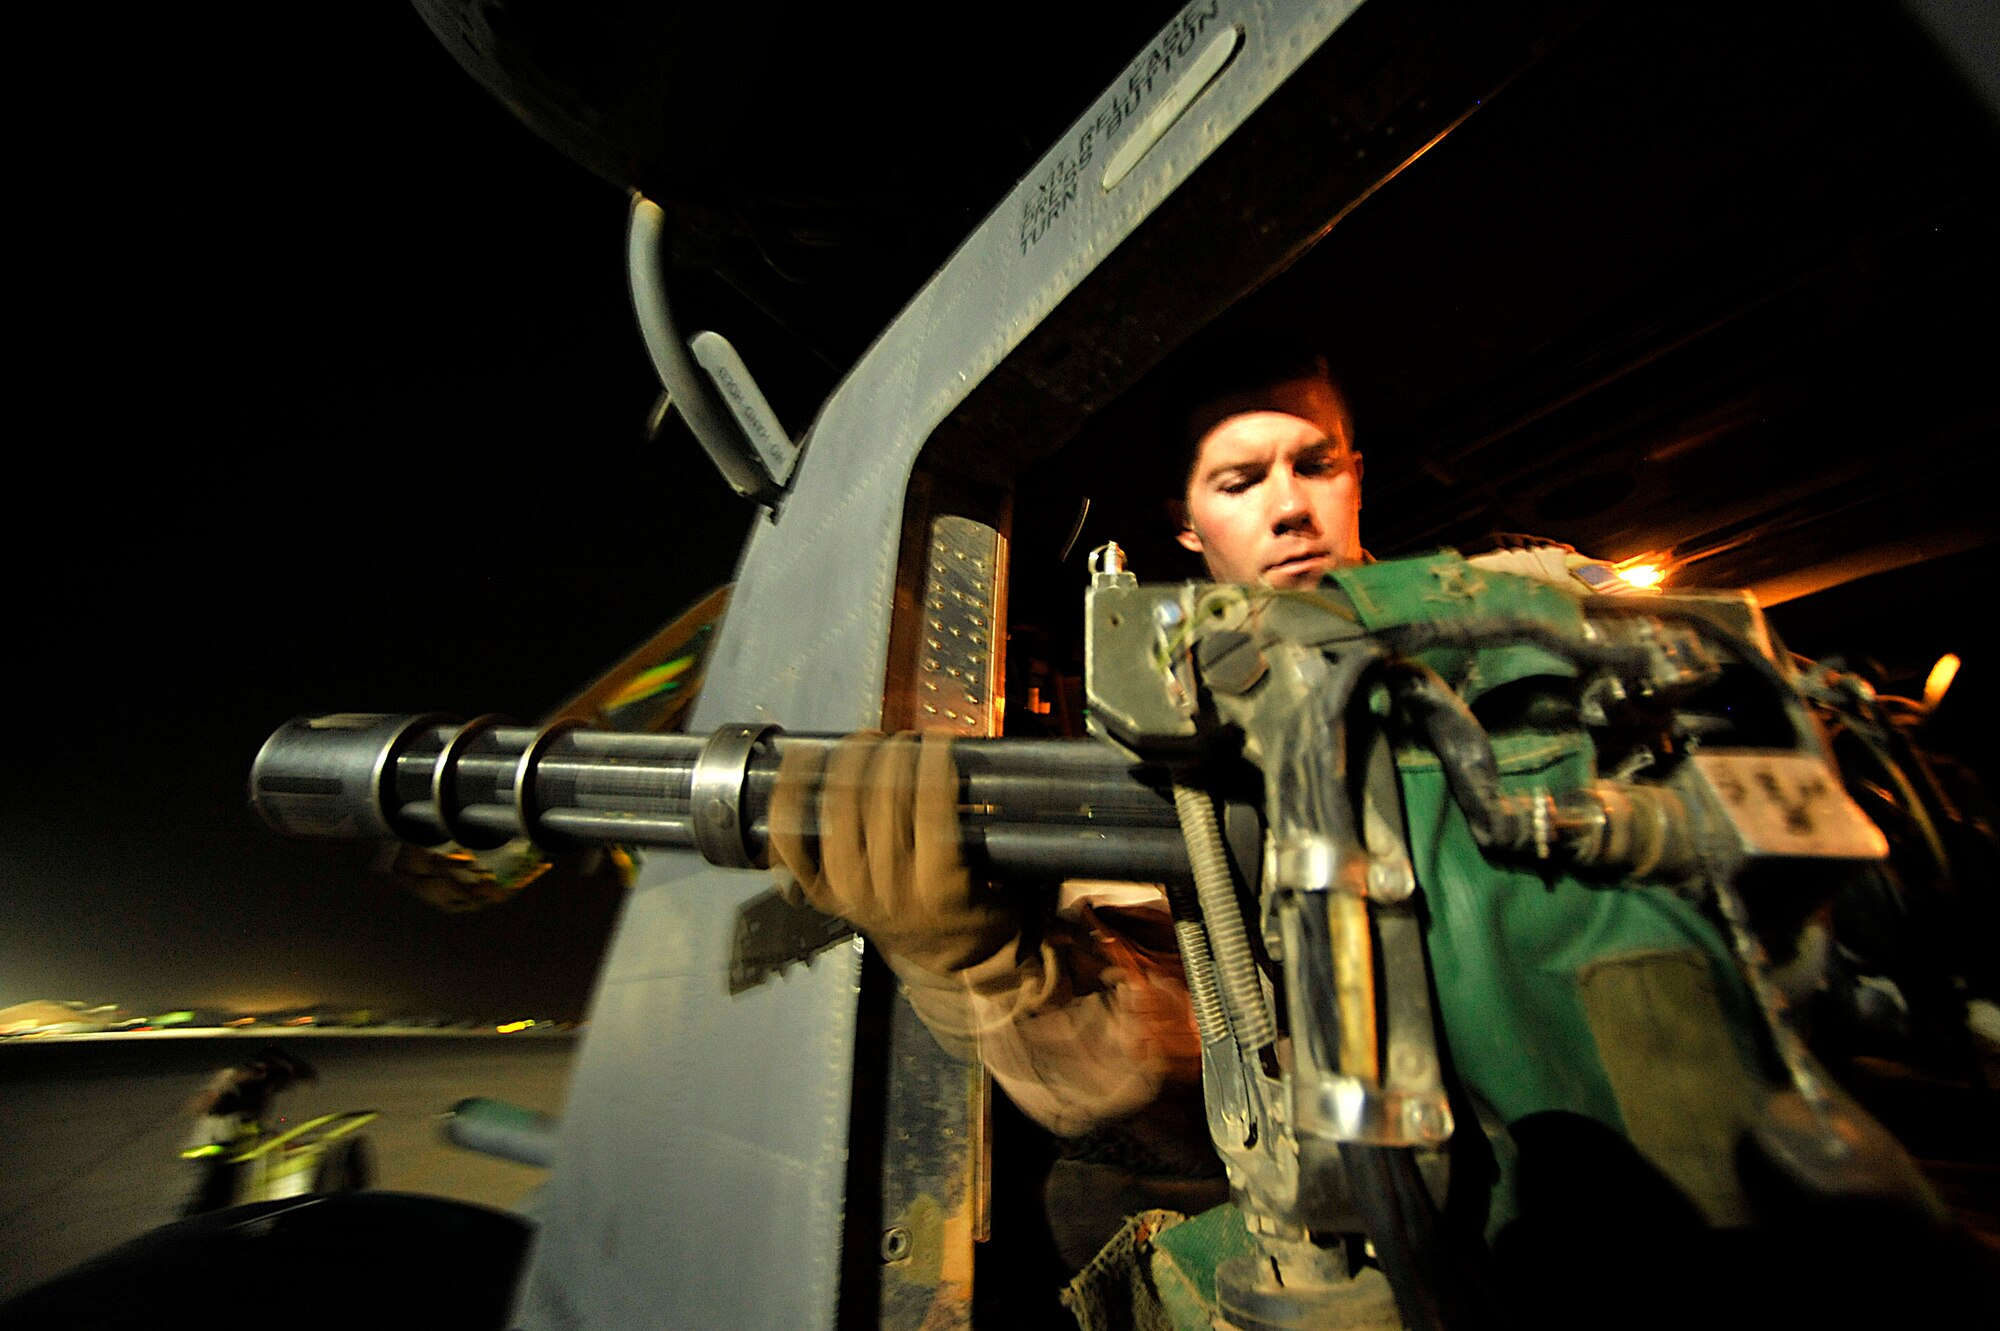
(1463, 748)
(1402, 1223)
(1490, 630)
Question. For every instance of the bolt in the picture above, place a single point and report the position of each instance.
(1390, 881)
(1422, 1120)
(896, 1244)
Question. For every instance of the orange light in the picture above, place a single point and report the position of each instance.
(1643, 575)
(1940, 678)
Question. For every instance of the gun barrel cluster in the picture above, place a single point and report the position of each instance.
(1029, 809)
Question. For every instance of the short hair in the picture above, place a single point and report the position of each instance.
(1225, 363)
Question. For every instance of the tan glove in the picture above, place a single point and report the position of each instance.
(887, 858)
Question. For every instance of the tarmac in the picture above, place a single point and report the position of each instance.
(93, 1126)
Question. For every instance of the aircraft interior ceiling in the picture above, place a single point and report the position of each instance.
(1712, 283)
(1723, 303)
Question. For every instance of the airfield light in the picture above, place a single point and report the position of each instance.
(1940, 678)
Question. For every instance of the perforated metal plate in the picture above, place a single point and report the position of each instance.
(959, 657)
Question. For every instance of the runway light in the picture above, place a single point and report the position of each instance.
(513, 1026)
(1940, 678)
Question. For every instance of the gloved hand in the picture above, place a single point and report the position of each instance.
(887, 858)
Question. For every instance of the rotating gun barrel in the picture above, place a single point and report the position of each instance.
(1029, 809)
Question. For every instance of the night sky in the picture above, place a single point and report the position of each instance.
(329, 397)
(335, 401)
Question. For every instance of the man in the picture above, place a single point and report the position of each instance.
(1083, 1017)
(229, 1113)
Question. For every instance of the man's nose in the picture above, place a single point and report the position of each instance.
(1289, 509)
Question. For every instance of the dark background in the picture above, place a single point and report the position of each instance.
(336, 402)
(331, 396)
(333, 400)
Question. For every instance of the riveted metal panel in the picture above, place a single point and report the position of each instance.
(699, 1178)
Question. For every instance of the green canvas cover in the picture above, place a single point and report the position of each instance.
(1612, 1000)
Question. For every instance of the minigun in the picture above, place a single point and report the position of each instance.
(1378, 808)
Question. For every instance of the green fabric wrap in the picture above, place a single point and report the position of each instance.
(1186, 1257)
(1615, 1001)
(1508, 943)
(1158, 1272)
(1443, 586)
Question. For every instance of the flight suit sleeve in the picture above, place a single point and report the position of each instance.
(1094, 1028)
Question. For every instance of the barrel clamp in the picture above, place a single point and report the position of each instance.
(715, 794)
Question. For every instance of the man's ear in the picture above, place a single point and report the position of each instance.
(1189, 538)
(1177, 514)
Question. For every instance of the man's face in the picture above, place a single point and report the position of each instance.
(1275, 493)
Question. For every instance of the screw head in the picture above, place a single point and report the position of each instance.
(896, 1244)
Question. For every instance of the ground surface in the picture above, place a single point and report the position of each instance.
(90, 1131)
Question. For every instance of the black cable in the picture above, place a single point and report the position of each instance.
(1492, 630)
(1402, 1223)
(1463, 748)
